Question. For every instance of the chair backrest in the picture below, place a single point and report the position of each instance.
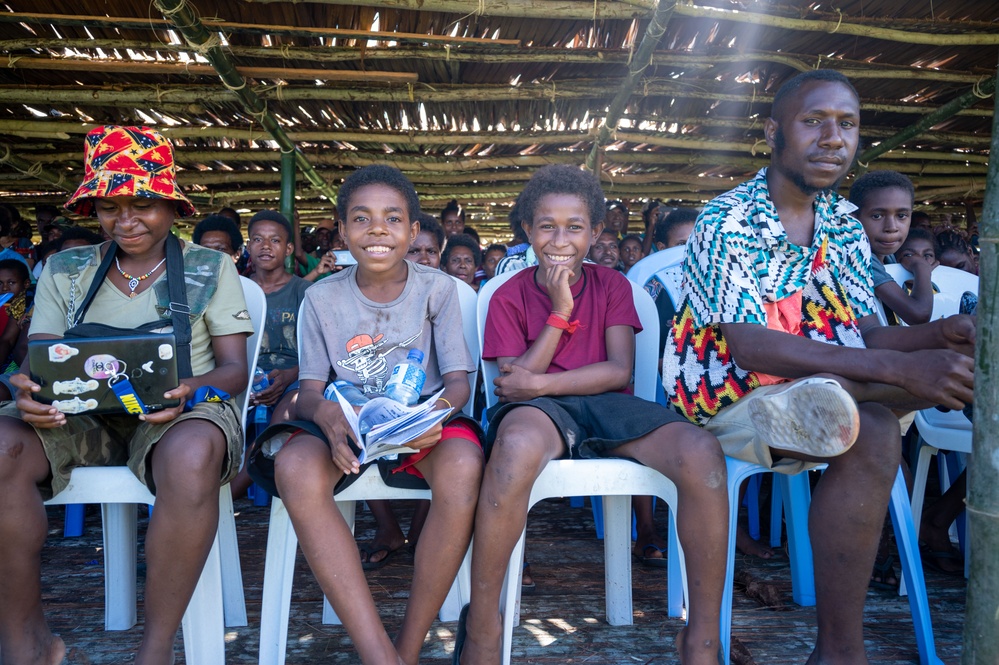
(950, 284)
(467, 299)
(646, 342)
(256, 305)
(466, 302)
(666, 266)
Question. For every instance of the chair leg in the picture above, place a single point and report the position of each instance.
(279, 572)
(798, 499)
(617, 560)
(510, 597)
(120, 542)
(912, 570)
(203, 625)
(753, 506)
(233, 599)
(73, 524)
(676, 590)
(776, 514)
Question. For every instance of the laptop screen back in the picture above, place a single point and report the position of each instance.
(78, 374)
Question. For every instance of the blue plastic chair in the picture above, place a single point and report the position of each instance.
(794, 494)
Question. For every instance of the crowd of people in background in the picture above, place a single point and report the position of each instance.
(720, 368)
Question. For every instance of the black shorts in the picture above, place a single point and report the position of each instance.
(592, 426)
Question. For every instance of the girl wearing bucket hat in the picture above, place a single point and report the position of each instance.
(181, 453)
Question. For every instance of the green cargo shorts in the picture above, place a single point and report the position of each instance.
(125, 440)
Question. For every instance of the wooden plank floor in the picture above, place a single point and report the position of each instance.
(561, 623)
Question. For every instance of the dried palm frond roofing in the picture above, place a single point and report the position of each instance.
(468, 97)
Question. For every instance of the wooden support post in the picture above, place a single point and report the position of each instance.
(981, 622)
(288, 185)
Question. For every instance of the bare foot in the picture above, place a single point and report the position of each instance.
(698, 652)
(745, 544)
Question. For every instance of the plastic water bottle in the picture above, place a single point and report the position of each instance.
(261, 418)
(406, 381)
(260, 380)
(351, 392)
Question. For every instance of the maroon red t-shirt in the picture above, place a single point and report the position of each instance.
(518, 310)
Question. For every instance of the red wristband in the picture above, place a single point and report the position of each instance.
(556, 321)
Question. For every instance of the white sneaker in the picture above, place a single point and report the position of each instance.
(814, 417)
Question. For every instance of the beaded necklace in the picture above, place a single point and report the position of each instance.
(133, 280)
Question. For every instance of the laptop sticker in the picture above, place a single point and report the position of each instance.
(60, 353)
(102, 366)
(166, 352)
(148, 367)
(75, 387)
(75, 405)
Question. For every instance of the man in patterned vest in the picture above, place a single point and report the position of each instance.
(777, 350)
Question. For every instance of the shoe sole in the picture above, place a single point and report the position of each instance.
(818, 419)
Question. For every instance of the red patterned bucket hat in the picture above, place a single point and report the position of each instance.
(128, 161)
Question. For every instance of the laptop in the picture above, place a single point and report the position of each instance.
(86, 375)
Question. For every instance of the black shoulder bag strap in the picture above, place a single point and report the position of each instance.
(180, 312)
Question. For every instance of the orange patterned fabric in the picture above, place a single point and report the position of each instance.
(128, 161)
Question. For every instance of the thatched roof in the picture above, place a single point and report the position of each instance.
(470, 96)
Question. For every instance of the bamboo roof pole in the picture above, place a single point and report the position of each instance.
(641, 60)
(563, 9)
(33, 169)
(119, 22)
(182, 15)
(145, 94)
(973, 96)
(839, 26)
(981, 620)
(287, 52)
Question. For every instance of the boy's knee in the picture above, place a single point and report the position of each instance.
(700, 456)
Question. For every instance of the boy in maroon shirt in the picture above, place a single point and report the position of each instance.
(563, 334)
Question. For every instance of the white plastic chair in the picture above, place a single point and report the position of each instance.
(939, 430)
(665, 266)
(616, 480)
(119, 492)
(282, 542)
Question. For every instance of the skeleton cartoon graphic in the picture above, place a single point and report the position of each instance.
(366, 358)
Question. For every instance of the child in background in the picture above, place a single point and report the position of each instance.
(563, 335)
(14, 315)
(453, 218)
(268, 246)
(394, 306)
(491, 258)
(630, 250)
(673, 228)
(954, 251)
(884, 207)
(604, 250)
(919, 247)
(462, 258)
(220, 233)
(426, 249)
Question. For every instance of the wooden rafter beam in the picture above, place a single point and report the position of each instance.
(676, 59)
(190, 26)
(654, 31)
(191, 69)
(924, 124)
(118, 23)
(152, 95)
(561, 9)
(844, 26)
